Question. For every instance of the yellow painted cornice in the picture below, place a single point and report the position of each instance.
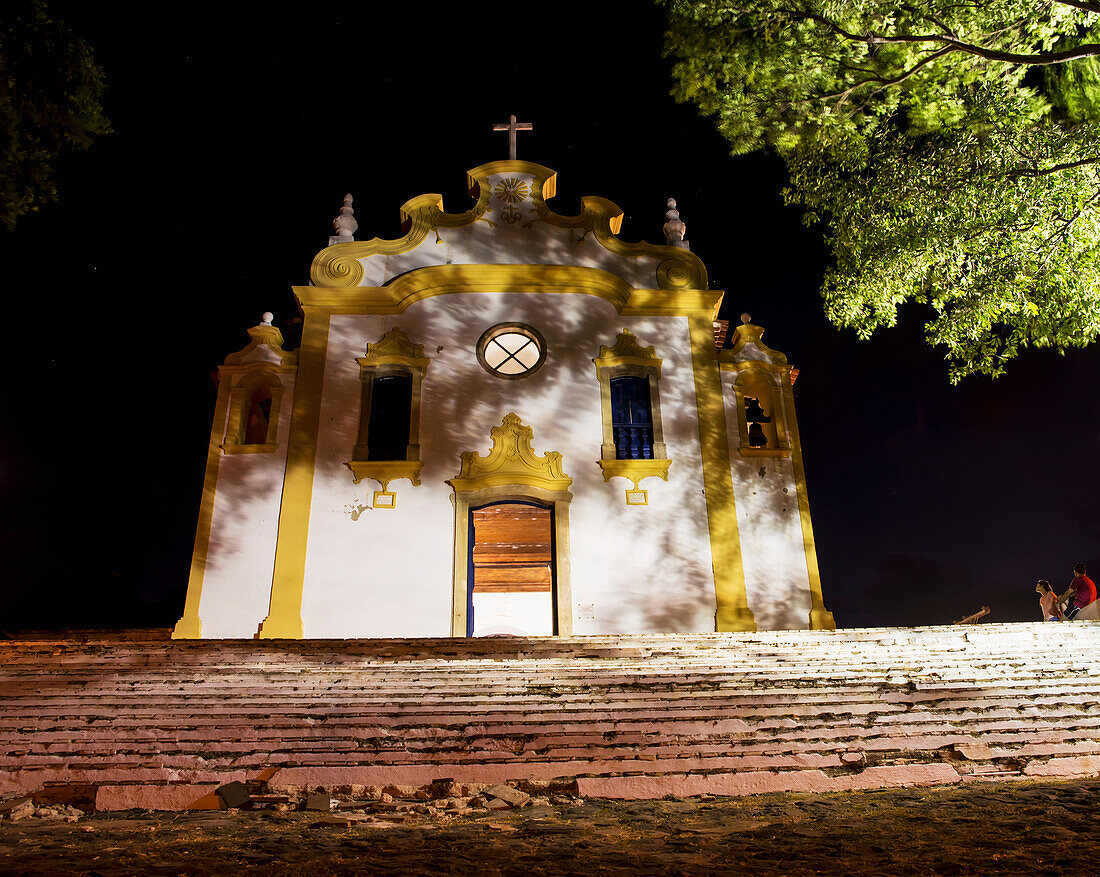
(339, 265)
(635, 470)
(512, 460)
(262, 336)
(403, 291)
(395, 348)
(385, 471)
(744, 335)
(627, 351)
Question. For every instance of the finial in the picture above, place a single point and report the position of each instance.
(746, 318)
(344, 224)
(266, 319)
(674, 227)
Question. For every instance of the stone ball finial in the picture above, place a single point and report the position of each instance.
(266, 319)
(674, 227)
(746, 318)
(345, 225)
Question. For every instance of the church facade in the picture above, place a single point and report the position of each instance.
(508, 421)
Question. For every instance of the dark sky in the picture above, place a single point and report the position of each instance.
(237, 133)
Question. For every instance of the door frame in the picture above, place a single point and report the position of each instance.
(557, 501)
(470, 561)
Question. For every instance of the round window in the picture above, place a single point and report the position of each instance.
(511, 350)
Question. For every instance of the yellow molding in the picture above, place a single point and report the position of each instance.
(190, 625)
(385, 471)
(635, 470)
(340, 266)
(262, 336)
(745, 334)
(820, 617)
(627, 351)
(423, 283)
(733, 611)
(511, 460)
(395, 348)
(284, 619)
(250, 449)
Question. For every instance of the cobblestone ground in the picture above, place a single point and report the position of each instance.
(982, 828)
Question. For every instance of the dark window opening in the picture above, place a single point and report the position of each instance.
(259, 415)
(754, 417)
(631, 418)
(390, 411)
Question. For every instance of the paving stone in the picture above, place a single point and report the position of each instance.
(235, 794)
(512, 796)
(320, 801)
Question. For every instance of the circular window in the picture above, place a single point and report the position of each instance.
(511, 350)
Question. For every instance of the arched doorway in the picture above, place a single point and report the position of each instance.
(510, 578)
(532, 494)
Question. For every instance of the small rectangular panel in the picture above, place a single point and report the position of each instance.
(637, 497)
(385, 499)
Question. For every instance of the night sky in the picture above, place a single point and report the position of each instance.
(237, 134)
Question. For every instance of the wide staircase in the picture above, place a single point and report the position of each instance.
(162, 724)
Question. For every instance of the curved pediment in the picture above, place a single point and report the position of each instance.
(512, 461)
(509, 223)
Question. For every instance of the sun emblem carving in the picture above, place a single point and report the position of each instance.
(512, 190)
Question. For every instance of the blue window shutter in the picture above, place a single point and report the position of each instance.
(631, 418)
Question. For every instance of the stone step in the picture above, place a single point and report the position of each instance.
(160, 723)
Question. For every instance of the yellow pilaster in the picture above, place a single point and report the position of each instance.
(190, 625)
(725, 542)
(820, 617)
(284, 618)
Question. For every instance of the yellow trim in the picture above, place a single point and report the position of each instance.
(635, 470)
(512, 471)
(820, 617)
(733, 611)
(765, 382)
(385, 471)
(637, 497)
(340, 265)
(423, 283)
(396, 348)
(627, 351)
(746, 334)
(393, 353)
(284, 619)
(512, 460)
(190, 625)
(628, 357)
(268, 448)
(384, 499)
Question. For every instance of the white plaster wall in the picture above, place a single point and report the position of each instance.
(773, 555)
(389, 573)
(236, 588)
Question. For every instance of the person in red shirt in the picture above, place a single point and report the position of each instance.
(1084, 590)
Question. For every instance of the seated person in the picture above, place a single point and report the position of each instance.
(1048, 601)
(1084, 590)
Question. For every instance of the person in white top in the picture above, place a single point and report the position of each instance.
(1048, 601)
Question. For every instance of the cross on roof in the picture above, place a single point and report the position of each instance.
(512, 127)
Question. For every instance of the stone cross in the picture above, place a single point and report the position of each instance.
(512, 127)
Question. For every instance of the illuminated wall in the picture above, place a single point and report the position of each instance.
(290, 544)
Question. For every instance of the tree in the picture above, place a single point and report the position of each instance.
(50, 93)
(952, 151)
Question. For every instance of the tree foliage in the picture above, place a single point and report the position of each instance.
(50, 93)
(951, 149)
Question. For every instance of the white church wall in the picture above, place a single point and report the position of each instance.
(236, 588)
(777, 581)
(375, 572)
